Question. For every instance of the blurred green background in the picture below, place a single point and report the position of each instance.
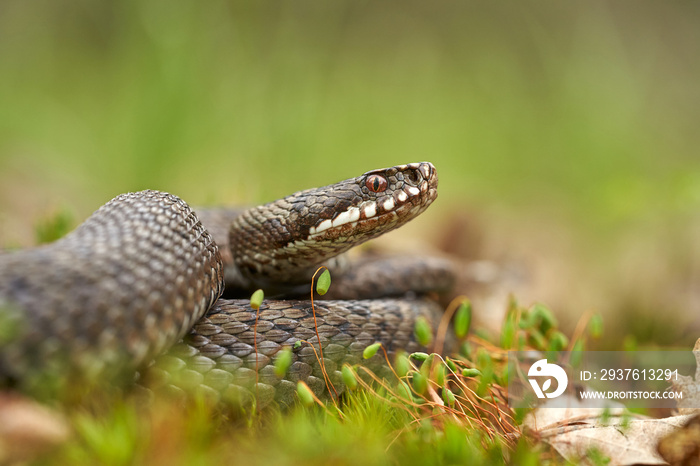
(565, 134)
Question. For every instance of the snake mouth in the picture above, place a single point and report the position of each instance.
(390, 196)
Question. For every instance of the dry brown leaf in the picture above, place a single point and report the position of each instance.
(574, 431)
(576, 411)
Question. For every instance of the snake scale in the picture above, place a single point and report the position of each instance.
(138, 285)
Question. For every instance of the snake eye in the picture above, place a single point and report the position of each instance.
(376, 183)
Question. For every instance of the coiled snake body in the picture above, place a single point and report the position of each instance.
(143, 272)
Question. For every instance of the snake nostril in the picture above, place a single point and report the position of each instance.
(413, 177)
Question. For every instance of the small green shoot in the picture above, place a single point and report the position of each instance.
(471, 372)
(463, 319)
(305, 394)
(323, 283)
(545, 316)
(577, 353)
(419, 382)
(349, 377)
(595, 326)
(418, 356)
(404, 391)
(448, 397)
(256, 299)
(465, 349)
(423, 331)
(402, 365)
(371, 350)
(508, 331)
(558, 341)
(283, 361)
(439, 374)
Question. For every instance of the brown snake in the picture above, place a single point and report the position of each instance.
(143, 271)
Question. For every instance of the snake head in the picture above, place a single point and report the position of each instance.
(286, 240)
(389, 198)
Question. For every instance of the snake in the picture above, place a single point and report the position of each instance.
(138, 287)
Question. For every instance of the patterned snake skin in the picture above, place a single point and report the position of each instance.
(142, 272)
